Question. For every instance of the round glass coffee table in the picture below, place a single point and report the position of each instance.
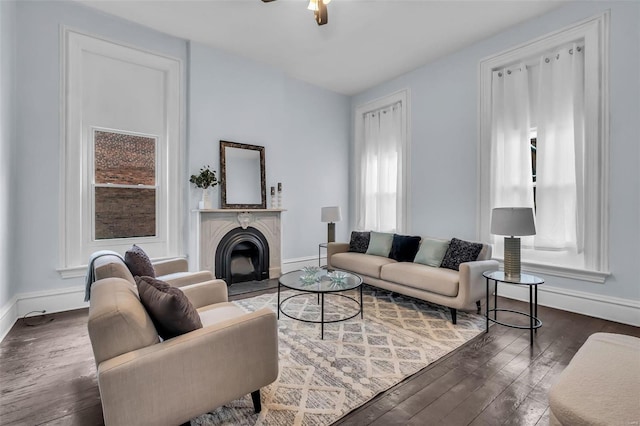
(313, 280)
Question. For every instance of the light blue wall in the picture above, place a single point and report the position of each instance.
(444, 122)
(7, 136)
(38, 103)
(304, 129)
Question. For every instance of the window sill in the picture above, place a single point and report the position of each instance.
(562, 271)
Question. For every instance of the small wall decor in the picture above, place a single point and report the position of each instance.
(274, 201)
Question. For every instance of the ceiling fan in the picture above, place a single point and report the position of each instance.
(319, 8)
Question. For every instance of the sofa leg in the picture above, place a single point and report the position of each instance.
(255, 397)
(478, 305)
(454, 317)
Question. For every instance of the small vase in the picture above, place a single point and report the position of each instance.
(207, 201)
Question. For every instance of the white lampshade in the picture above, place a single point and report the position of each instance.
(331, 214)
(513, 221)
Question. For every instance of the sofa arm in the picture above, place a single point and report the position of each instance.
(171, 266)
(334, 248)
(206, 293)
(472, 283)
(181, 378)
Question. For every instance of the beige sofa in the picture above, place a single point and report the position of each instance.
(144, 380)
(464, 289)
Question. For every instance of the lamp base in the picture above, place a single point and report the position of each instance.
(331, 232)
(512, 258)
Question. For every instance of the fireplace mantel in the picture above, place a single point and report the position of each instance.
(213, 224)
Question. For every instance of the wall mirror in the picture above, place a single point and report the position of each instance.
(242, 173)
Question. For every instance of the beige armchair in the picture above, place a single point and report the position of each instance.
(173, 271)
(144, 380)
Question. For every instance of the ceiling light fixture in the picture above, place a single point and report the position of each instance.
(319, 8)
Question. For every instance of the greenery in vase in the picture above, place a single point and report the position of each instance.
(205, 179)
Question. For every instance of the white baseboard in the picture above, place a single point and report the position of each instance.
(289, 265)
(51, 301)
(8, 317)
(594, 305)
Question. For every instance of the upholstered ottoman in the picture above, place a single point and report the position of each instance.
(601, 384)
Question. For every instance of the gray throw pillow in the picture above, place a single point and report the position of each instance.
(380, 244)
(139, 263)
(431, 252)
(359, 242)
(460, 251)
(170, 310)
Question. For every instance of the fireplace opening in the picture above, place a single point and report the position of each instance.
(242, 255)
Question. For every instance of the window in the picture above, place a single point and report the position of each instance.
(124, 185)
(543, 144)
(121, 153)
(381, 164)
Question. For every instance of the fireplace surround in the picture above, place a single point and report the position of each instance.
(247, 229)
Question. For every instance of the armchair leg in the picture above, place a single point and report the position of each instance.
(454, 317)
(255, 397)
(478, 305)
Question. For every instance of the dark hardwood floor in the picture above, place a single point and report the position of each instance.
(47, 375)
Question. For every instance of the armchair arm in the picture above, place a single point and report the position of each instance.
(472, 283)
(335, 248)
(206, 293)
(180, 378)
(171, 266)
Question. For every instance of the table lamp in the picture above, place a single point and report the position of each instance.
(512, 222)
(331, 215)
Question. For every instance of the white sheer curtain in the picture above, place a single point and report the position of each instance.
(560, 150)
(381, 192)
(511, 173)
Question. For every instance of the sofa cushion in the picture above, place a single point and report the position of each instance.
(214, 314)
(139, 263)
(170, 310)
(460, 251)
(404, 248)
(360, 263)
(380, 244)
(359, 242)
(435, 280)
(431, 252)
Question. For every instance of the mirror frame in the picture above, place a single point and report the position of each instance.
(223, 175)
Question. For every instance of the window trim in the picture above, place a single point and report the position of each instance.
(402, 96)
(595, 33)
(74, 189)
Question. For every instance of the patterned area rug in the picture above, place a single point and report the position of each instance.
(322, 380)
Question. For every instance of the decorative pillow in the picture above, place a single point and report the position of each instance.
(460, 251)
(404, 248)
(431, 252)
(359, 241)
(139, 263)
(170, 310)
(380, 244)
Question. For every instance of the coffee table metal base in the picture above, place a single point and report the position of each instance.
(321, 295)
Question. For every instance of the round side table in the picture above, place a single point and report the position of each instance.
(523, 280)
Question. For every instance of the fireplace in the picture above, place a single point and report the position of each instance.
(242, 255)
(212, 226)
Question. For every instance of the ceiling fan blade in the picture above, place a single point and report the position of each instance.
(267, 1)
